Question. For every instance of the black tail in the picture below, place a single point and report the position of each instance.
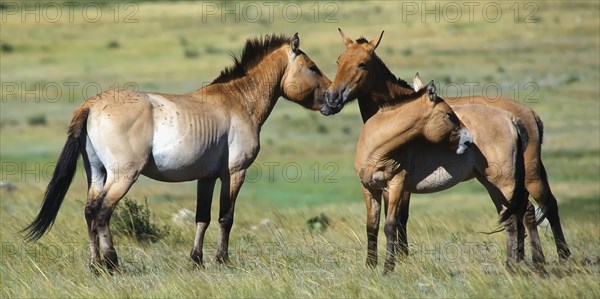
(520, 195)
(541, 214)
(61, 178)
(56, 190)
(549, 206)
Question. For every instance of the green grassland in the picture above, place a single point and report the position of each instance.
(177, 47)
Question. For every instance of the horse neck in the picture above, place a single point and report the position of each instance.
(385, 92)
(259, 90)
(397, 125)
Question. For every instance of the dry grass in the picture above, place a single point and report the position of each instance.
(558, 54)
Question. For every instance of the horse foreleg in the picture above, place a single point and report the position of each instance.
(230, 187)
(395, 189)
(203, 204)
(402, 244)
(373, 204)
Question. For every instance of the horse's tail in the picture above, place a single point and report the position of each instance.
(541, 213)
(520, 195)
(540, 126)
(61, 178)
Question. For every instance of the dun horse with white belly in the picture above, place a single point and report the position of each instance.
(209, 134)
(361, 74)
(389, 159)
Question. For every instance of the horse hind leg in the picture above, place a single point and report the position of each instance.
(96, 177)
(529, 220)
(539, 188)
(515, 230)
(499, 193)
(94, 200)
(521, 234)
(115, 188)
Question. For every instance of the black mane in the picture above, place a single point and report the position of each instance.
(362, 40)
(254, 51)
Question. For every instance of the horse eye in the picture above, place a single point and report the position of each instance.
(314, 69)
(362, 65)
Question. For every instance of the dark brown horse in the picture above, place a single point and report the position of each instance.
(209, 134)
(361, 74)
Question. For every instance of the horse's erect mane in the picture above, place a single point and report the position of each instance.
(362, 40)
(254, 51)
(405, 99)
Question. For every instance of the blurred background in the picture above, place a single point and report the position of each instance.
(54, 55)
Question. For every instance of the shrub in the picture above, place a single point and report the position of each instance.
(7, 48)
(210, 49)
(318, 223)
(190, 53)
(113, 44)
(134, 220)
(37, 120)
(322, 129)
(572, 78)
(346, 130)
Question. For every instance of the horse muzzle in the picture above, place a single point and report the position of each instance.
(334, 102)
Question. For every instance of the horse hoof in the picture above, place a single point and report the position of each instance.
(197, 259)
(371, 264)
(387, 269)
(96, 268)
(224, 260)
(564, 253)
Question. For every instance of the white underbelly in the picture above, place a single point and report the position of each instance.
(440, 171)
(438, 180)
(181, 163)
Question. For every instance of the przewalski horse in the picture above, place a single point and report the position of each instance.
(400, 150)
(377, 91)
(361, 74)
(209, 134)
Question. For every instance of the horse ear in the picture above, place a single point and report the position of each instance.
(295, 43)
(417, 82)
(346, 40)
(375, 42)
(431, 91)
